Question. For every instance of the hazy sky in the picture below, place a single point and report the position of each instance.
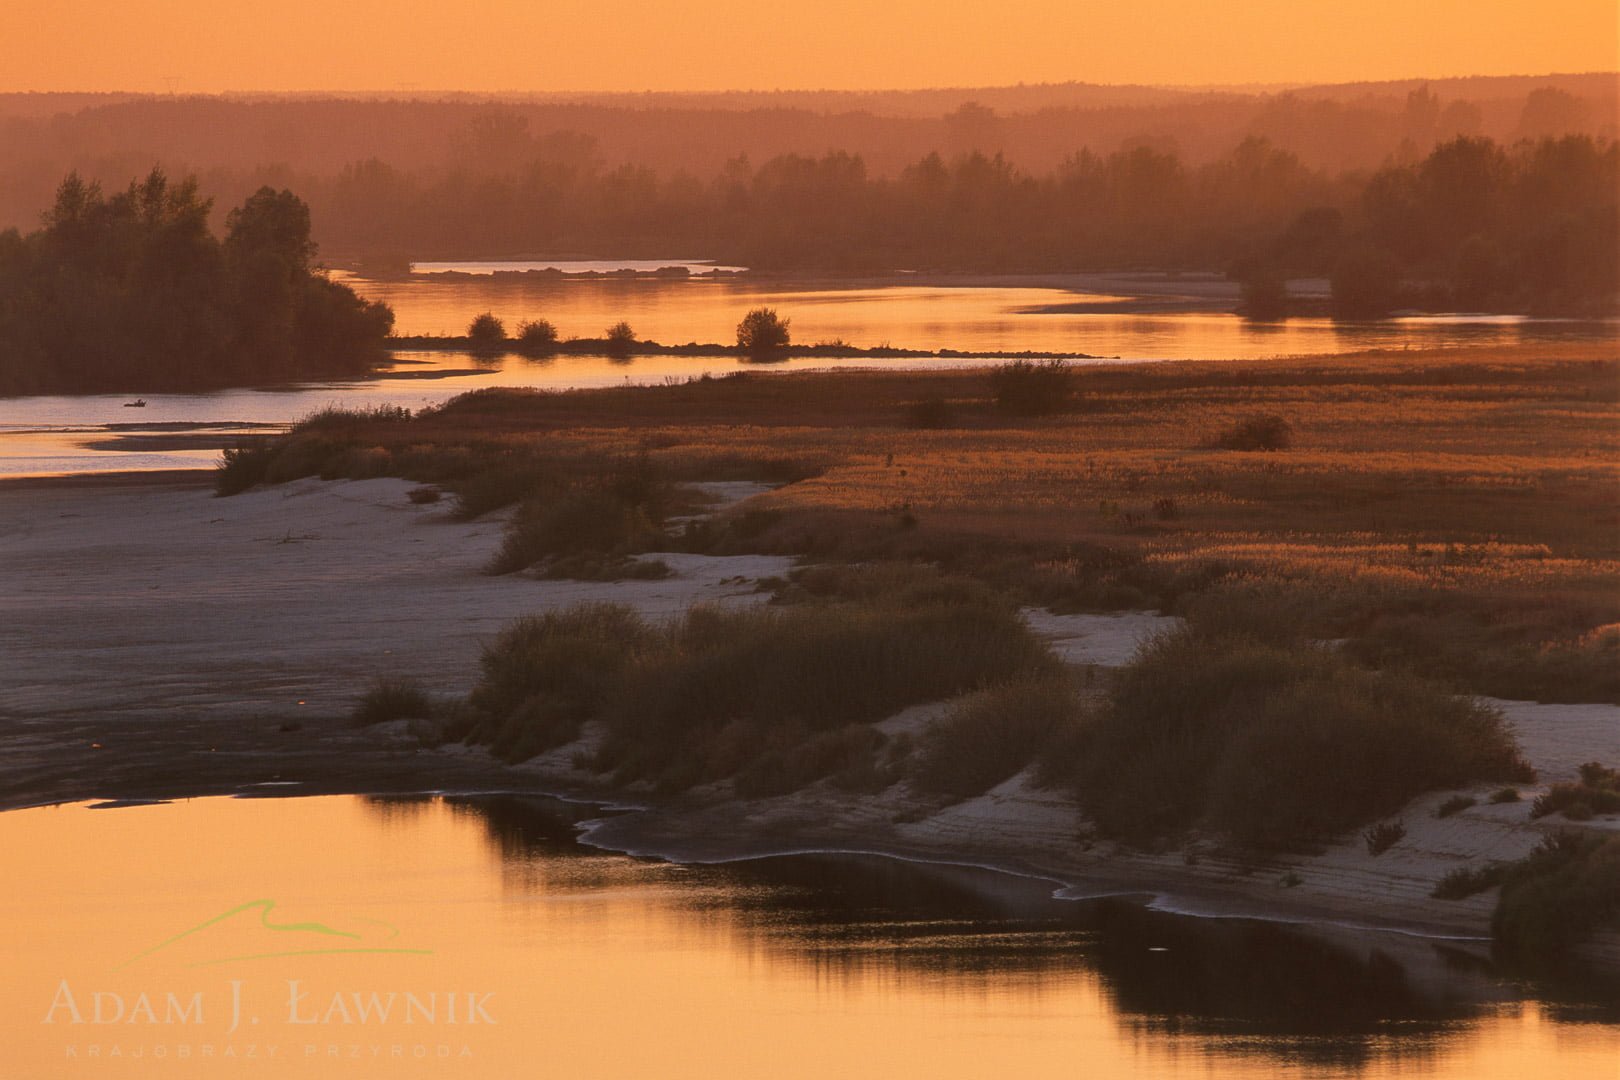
(209, 45)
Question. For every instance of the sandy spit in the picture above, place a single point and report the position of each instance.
(157, 641)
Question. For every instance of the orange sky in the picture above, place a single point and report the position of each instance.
(208, 45)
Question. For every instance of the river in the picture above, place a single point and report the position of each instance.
(474, 937)
(43, 435)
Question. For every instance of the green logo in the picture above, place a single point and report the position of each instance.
(299, 938)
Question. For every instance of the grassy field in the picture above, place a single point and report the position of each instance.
(1457, 512)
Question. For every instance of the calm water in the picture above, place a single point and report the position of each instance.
(582, 964)
(46, 434)
(570, 266)
(913, 317)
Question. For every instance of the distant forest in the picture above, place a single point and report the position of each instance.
(133, 291)
(1490, 192)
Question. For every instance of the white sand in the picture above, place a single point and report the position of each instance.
(142, 601)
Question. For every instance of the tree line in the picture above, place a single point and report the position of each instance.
(1530, 226)
(134, 291)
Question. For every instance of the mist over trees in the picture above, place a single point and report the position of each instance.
(1401, 195)
(134, 291)
(1474, 224)
(236, 144)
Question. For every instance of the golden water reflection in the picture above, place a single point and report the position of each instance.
(587, 964)
(999, 319)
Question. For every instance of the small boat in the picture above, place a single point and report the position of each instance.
(138, 403)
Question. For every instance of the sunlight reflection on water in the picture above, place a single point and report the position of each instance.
(806, 967)
(44, 434)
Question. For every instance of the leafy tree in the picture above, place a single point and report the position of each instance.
(487, 334)
(621, 340)
(134, 291)
(536, 338)
(763, 333)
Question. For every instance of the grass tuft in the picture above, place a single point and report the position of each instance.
(1596, 792)
(546, 675)
(1466, 881)
(1031, 388)
(1266, 432)
(391, 698)
(930, 414)
(766, 696)
(993, 735)
(730, 687)
(242, 467)
(1383, 836)
(1454, 805)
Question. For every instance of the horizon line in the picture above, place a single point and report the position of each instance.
(1189, 88)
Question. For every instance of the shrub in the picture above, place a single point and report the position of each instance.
(726, 687)
(500, 484)
(762, 333)
(1504, 795)
(536, 338)
(546, 674)
(1383, 836)
(850, 752)
(241, 467)
(1597, 792)
(1463, 882)
(1027, 388)
(486, 334)
(1268, 432)
(1565, 890)
(343, 418)
(572, 523)
(766, 696)
(993, 735)
(620, 340)
(392, 699)
(1454, 805)
(424, 495)
(1273, 743)
(930, 414)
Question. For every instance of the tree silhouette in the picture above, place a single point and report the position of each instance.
(486, 333)
(134, 291)
(762, 333)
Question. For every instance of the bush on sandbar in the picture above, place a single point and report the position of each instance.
(993, 734)
(391, 698)
(1273, 744)
(1565, 890)
(1268, 432)
(765, 695)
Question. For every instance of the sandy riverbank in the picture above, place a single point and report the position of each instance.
(156, 641)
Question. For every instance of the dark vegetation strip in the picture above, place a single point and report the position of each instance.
(604, 346)
(770, 698)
